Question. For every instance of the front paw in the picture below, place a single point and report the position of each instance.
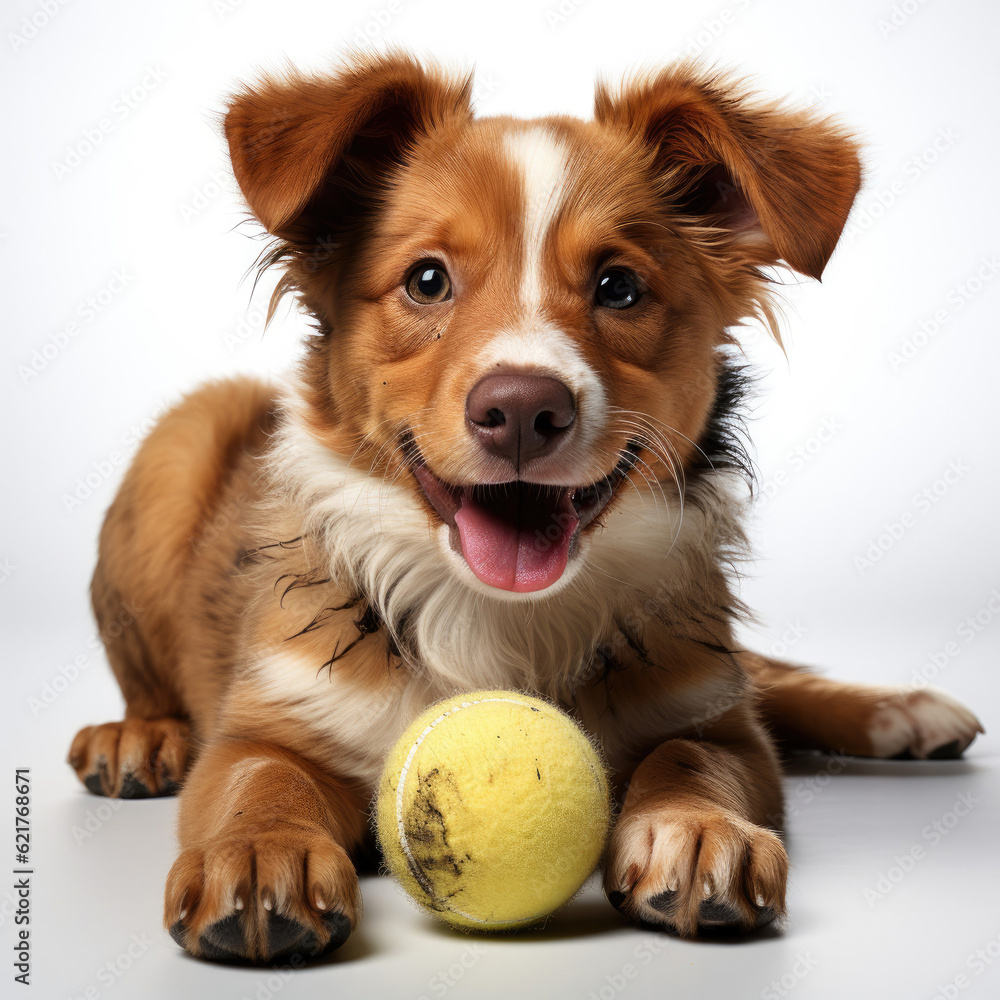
(263, 897)
(696, 871)
(132, 759)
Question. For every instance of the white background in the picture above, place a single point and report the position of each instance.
(848, 440)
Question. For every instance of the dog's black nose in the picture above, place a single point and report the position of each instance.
(520, 416)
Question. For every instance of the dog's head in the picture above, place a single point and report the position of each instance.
(519, 321)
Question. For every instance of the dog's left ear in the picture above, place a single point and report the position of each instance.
(312, 153)
(776, 184)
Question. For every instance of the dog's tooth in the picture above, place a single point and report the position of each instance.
(320, 903)
(239, 903)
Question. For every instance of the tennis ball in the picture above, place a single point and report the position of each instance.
(493, 809)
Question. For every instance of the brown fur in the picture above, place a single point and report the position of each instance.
(680, 177)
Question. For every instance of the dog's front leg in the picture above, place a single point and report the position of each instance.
(264, 870)
(695, 845)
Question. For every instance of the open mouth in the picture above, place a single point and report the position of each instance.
(518, 536)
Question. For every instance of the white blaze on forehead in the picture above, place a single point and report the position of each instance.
(543, 163)
(534, 344)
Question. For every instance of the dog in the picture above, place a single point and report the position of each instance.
(510, 456)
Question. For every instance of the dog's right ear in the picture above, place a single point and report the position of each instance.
(310, 152)
(775, 184)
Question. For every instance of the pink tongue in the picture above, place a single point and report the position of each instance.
(521, 558)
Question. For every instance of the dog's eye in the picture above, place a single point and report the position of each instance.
(617, 288)
(428, 282)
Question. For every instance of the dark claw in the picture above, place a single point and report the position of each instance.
(93, 783)
(715, 911)
(617, 898)
(285, 935)
(219, 941)
(340, 930)
(178, 932)
(716, 915)
(949, 751)
(133, 788)
(765, 915)
(664, 902)
(224, 941)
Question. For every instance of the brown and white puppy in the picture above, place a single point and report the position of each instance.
(509, 458)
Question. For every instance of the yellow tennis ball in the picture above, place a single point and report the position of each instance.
(493, 809)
